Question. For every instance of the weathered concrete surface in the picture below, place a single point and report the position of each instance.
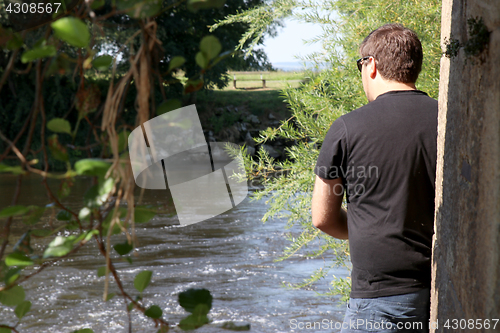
(466, 262)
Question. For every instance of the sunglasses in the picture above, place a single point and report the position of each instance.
(359, 62)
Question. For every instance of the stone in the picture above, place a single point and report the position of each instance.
(271, 116)
(271, 151)
(242, 127)
(250, 150)
(253, 119)
(249, 140)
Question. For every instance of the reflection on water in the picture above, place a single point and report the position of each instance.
(232, 255)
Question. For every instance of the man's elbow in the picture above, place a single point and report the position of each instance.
(319, 221)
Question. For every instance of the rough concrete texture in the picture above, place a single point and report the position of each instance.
(466, 261)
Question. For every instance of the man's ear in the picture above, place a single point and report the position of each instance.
(372, 68)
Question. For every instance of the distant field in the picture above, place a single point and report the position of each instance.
(274, 80)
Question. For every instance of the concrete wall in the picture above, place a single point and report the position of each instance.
(466, 261)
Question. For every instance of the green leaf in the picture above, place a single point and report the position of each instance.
(193, 85)
(106, 186)
(13, 211)
(222, 56)
(90, 234)
(59, 125)
(60, 64)
(143, 214)
(101, 271)
(142, 280)
(84, 213)
(201, 60)
(169, 105)
(18, 259)
(107, 221)
(140, 9)
(103, 62)
(83, 330)
(129, 260)
(38, 52)
(92, 199)
(64, 189)
(72, 225)
(197, 319)
(41, 232)
(109, 296)
(12, 296)
(195, 5)
(12, 275)
(57, 150)
(176, 62)
(72, 30)
(60, 246)
(5, 330)
(130, 306)
(147, 8)
(16, 170)
(191, 298)
(63, 215)
(96, 4)
(15, 42)
(153, 311)
(22, 309)
(92, 167)
(34, 215)
(210, 46)
(123, 248)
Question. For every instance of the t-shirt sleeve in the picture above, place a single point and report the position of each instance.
(332, 159)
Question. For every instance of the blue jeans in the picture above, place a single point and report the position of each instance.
(399, 313)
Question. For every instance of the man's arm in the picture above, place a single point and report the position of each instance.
(327, 212)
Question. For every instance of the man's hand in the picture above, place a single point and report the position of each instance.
(327, 212)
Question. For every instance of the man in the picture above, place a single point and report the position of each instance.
(383, 156)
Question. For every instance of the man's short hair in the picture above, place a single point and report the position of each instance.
(397, 52)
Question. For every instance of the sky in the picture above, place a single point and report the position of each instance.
(289, 41)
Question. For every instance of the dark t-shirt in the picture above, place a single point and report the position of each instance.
(385, 153)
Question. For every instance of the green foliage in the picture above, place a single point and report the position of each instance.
(17, 170)
(198, 302)
(41, 50)
(101, 271)
(191, 298)
(103, 62)
(479, 37)
(72, 30)
(22, 309)
(13, 211)
(123, 248)
(92, 167)
(12, 296)
(316, 104)
(142, 280)
(18, 259)
(61, 246)
(153, 311)
(169, 105)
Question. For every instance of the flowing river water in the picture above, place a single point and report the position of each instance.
(232, 255)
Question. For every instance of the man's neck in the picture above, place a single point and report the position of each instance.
(383, 86)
